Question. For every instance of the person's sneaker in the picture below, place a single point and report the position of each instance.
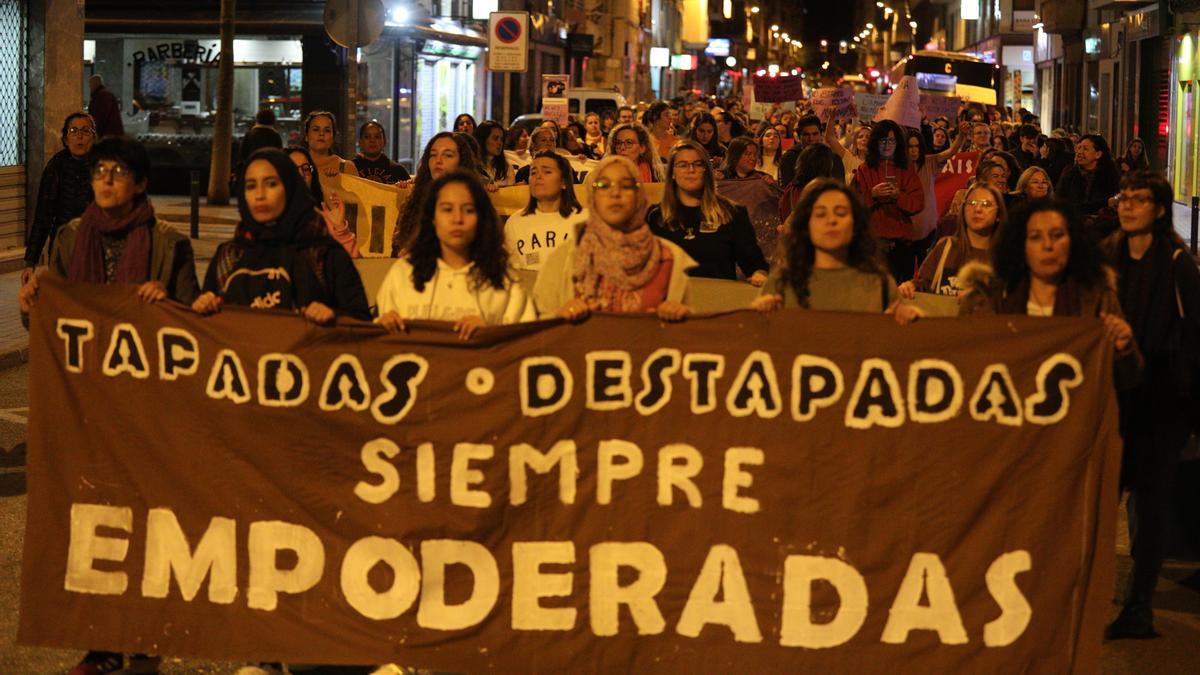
(1135, 622)
(99, 663)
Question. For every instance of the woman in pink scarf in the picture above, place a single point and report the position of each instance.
(613, 263)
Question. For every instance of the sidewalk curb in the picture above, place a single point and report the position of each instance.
(14, 357)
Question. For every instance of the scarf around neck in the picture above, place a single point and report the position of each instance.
(87, 260)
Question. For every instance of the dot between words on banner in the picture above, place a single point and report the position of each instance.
(480, 381)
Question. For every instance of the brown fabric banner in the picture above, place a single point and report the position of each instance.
(826, 492)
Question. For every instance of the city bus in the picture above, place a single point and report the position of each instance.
(951, 74)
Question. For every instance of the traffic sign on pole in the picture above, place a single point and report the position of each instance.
(508, 42)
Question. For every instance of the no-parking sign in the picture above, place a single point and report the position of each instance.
(508, 42)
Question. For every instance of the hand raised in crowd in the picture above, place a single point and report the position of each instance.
(207, 303)
(26, 275)
(1117, 331)
(575, 310)
(28, 294)
(905, 314)
(333, 210)
(466, 326)
(392, 322)
(757, 279)
(405, 184)
(767, 303)
(152, 291)
(318, 313)
(908, 290)
(673, 311)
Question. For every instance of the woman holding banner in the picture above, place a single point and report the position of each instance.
(281, 256)
(1044, 264)
(320, 131)
(532, 235)
(829, 260)
(711, 229)
(982, 214)
(447, 151)
(457, 268)
(892, 192)
(613, 262)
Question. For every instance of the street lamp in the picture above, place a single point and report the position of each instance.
(754, 10)
(774, 28)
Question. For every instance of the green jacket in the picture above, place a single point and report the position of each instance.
(171, 259)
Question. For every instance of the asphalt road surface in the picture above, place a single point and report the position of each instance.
(1177, 605)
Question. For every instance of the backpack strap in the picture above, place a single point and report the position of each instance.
(937, 275)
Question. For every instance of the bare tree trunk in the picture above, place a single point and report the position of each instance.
(222, 142)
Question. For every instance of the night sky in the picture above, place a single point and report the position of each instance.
(829, 19)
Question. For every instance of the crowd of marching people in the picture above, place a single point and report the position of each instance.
(818, 212)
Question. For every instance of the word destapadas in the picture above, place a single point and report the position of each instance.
(933, 392)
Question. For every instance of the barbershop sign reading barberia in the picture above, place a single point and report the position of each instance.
(185, 50)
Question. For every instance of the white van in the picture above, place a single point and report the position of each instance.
(584, 100)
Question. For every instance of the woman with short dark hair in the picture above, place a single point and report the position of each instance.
(464, 124)
(371, 162)
(65, 189)
(1159, 289)
(892, 192)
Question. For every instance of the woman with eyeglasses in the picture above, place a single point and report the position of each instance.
(981, 215)
(117, 239)
(1159, 289)
(892, 192)
(829, 259)
(320, 131)
(548, 220)
(331, 208)
(447, 151)
(1043, 264)
(281, 256)
(714, 231)
(632, 141)
(65, 189)
(613, 262)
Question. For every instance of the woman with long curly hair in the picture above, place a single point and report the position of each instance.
(830, 260)
(1045, 264)
(457, 267)
(446, 152)
(633, 142)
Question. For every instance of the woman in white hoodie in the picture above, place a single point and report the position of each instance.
(531, 235)
(457, 268)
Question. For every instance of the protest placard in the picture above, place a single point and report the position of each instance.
(835, 101)
(739, 492)
(868, 105)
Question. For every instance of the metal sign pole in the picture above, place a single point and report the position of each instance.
(506, 94)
